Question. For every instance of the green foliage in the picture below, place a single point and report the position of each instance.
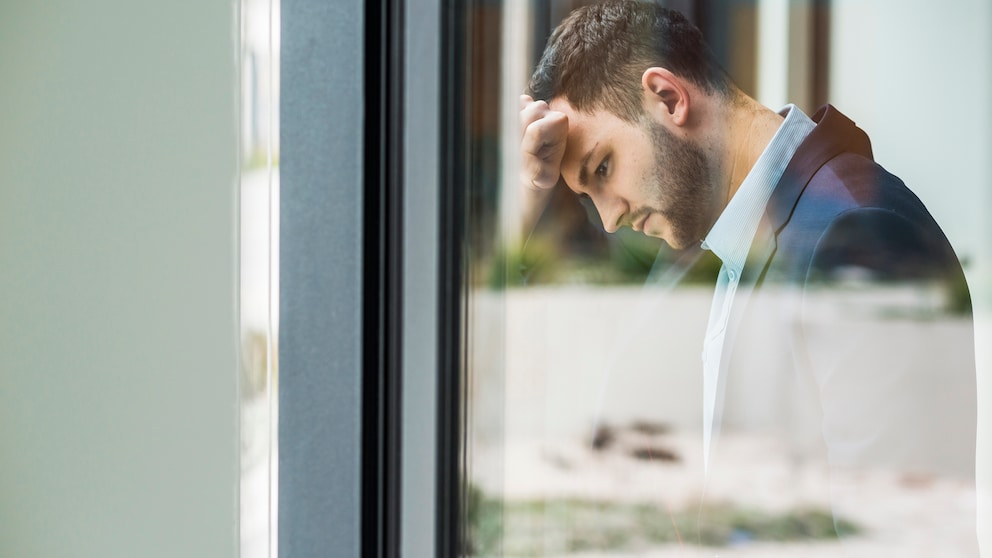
(541, 263)
(724, 525)
(553, 526)
(958, 297)
(633, 254)
(484, 518)
(538, 263)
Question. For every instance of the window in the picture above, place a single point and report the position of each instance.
(588, 424)
(464, 373)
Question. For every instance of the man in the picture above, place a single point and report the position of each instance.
(830, 266)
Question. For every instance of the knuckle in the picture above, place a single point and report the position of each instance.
(532, 135)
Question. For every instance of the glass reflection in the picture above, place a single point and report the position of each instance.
(834, 409)
(259, 214)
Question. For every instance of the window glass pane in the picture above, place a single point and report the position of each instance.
(727, 328)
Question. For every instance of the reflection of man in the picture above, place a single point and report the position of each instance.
(635, 114)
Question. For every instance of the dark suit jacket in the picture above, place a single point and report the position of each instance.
(835, 207)
(854, 309)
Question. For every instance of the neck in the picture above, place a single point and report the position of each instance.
(749, 128)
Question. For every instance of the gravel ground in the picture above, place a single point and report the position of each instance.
(906, 517)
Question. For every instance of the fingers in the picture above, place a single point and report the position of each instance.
(531, 111)
(542, 149)
(542, 145)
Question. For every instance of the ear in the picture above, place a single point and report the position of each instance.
(666, 95)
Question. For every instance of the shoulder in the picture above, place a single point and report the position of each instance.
(853, 214)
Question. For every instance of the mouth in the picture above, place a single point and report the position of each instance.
(638, 225)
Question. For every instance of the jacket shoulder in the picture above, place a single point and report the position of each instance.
(855, 215)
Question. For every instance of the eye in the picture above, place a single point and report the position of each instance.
(603, 168)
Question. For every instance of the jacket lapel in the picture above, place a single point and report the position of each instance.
(834, 134)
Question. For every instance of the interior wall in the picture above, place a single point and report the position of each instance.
(118, 278)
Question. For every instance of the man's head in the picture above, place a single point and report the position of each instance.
(641, 93)
(596, 57)
(640, 175)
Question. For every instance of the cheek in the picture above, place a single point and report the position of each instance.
(650, 185)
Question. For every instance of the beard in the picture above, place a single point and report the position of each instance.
(679, 188)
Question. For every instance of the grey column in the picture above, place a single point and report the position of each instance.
(320, 278)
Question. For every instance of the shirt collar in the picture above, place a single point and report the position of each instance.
(730, 237)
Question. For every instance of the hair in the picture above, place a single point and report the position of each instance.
(595, 58)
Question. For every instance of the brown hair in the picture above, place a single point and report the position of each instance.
(595, 58)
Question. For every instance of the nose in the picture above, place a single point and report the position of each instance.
(611, 212)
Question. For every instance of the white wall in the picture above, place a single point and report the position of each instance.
(118, 278)
(917, 76)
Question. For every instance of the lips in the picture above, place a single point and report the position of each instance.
(639, 225)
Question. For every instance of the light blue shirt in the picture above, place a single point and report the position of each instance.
(730, 240)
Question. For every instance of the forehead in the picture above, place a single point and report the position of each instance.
(585, 123)
(586, 131)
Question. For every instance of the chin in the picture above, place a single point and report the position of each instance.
(659, 236)
(676, 243)
(683, 242)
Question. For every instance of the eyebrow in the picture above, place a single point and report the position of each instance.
(583, 164)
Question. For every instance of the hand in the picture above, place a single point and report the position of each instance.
(542, 146)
